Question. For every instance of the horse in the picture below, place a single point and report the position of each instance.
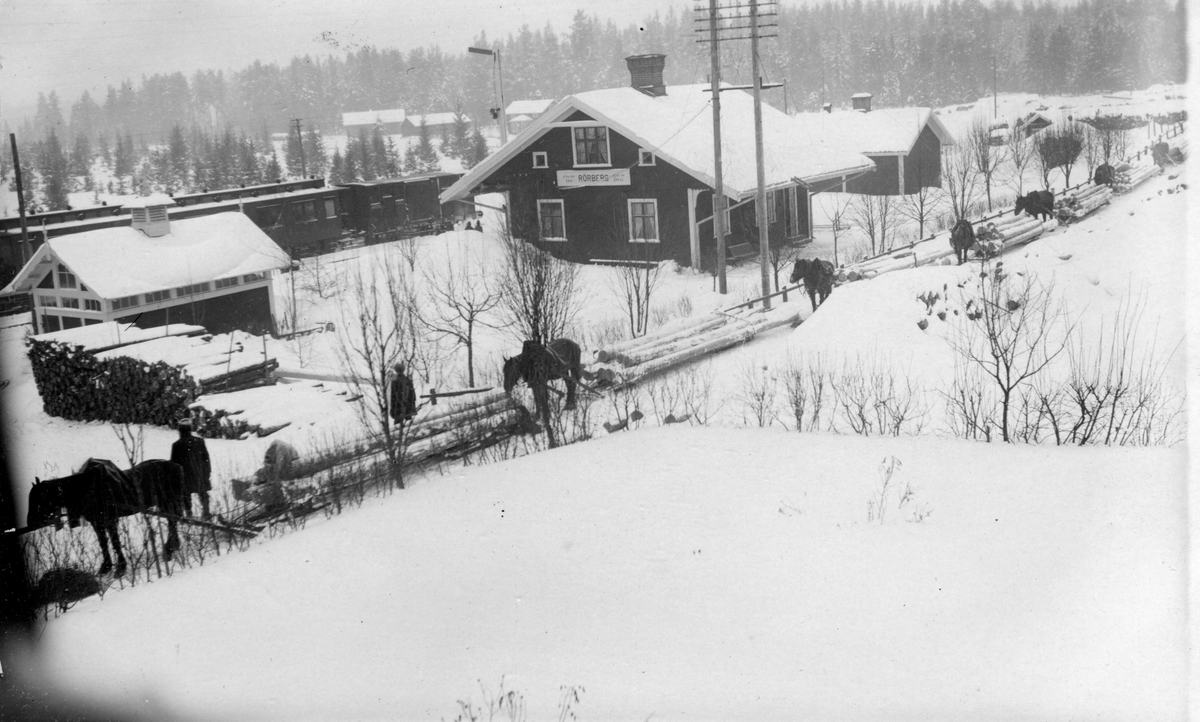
(1160, 152)
(817, 276)
(102, 494)
(962, 237)
(1039, 204)
(537, 365)
(1104, 175)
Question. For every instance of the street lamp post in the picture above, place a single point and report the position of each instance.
(497, 71)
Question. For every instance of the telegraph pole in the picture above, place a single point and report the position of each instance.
(760, 200)
(300, 145)
(12, 139)
(719, 229)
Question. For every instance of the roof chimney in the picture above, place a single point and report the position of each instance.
(646, 73)
(149, 215)
(861, 101)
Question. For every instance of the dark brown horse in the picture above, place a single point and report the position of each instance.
(102, 494)
(1039, 204)
(962, 237)
(817, 276)
(538, 365)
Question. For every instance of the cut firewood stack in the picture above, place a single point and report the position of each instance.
(629, 361)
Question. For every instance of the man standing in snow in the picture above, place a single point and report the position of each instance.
(191, 453)
(402, 396)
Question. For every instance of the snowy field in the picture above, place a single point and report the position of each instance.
(723, 571)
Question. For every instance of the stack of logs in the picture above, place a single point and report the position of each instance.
(684, 342)
(1129, 176)
(1078, 202)
(459, 427)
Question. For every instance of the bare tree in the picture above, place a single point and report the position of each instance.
(837, 208)
(1014, 329)
(920, 207)
(133, 440)
(1059, 146)
(461, 295)
(539, 292)
(1020, 153)
(1112, 134)
(874, 215)
(960, 179)
(983, 155)
(634, 281)
(378, 330)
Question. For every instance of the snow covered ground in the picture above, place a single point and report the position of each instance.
(685, 572)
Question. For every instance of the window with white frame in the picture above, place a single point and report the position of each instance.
(330, 208)
(191, 289)
(551, 220)
(68, 302)
(91, 304)
(645, 157)
(157, 296)
(591, 146)
(48, 301)
(252, 277)
(66, 279)
(643, 220)
(226, 282)
(539, 160)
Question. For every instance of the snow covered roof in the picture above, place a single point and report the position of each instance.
(879, 132)
(529, 107)
(371, 117)
(678, 127)
(432, 119)
(154, 199)
(110, 334)
(122, 261)
(519, 119)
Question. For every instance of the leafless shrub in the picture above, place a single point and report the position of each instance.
(807, 382)
(970, 404)
(868, 398)
(875, 215)
(680, 308)
(1020, 152)
(960, 180)
(133, 441)
(539, 292)
(758, 394)
(633, 284)
(984, 156)
(1013, 329)
(836, 207)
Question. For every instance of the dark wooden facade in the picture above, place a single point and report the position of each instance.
(248, 310)
(596, 218)
(922, 168)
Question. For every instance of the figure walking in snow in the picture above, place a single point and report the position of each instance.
(191, 453)
(402, 396)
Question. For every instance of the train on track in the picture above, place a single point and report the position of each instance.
(305, 217)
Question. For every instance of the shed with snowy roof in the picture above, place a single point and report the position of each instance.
(391, 121)
(214, 271)
(905, 144)
(629, 172)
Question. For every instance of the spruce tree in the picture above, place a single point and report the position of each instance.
(292, 153)
(460, 137)
(427, 157)
(314, 152)
(479, 150)
(337, 170)
(379, 152)
(54, 173)
(177, 151)
(81, 157)
(350, 171)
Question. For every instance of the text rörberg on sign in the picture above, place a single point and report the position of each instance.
(615, 177)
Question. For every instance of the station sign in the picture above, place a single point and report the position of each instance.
(604, 177)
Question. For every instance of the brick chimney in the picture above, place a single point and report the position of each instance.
(149, 215)
(861, 101)
(646, 73)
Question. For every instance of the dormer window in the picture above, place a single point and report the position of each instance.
(591, 146)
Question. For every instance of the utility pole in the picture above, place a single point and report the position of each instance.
(497, 72)
(719, 229)
(12, 138)
(300, 145)
(719, 200)
(760, 200)
(995, 102)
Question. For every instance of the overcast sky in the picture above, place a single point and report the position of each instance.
(73, 45)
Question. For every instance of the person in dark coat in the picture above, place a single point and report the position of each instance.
(191, 453)
(402, 396)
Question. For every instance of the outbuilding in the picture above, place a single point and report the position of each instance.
(905, 144)
(391, 121)
(214, 271)
(630, 173)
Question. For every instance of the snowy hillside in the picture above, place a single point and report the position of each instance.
(684, 573)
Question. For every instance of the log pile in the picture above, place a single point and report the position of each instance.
(632, 360)
(1079, 202)
(1129, 176)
